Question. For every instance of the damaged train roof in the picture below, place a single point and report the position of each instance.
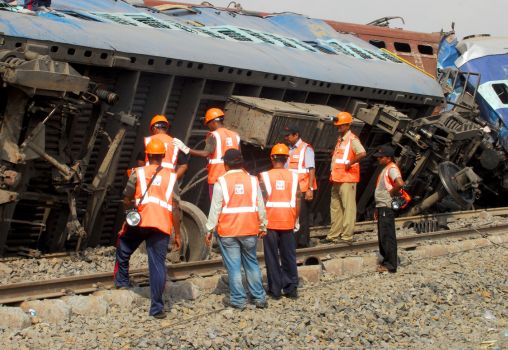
(287, 44)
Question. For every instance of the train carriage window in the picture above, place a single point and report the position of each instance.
(501, 92)
(380, 44)
(402, 47)
(426, 49)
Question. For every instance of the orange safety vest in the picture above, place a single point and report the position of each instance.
(239, 215)
(156, 208)
(342, 155)
(224, 139)
(297, 165)
(281, 186)
(386, 175)
(169, 160)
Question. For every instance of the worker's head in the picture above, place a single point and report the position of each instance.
(291, 134)
(233, 159)
(384, 154)
(155, 151)
(343, 122)
(214, 118)
(159, 125)
(279, 155)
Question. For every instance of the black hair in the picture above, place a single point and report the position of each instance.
(155, 157)
(234, 165)
(280, 158)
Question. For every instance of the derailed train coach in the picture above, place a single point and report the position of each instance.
(80, 84)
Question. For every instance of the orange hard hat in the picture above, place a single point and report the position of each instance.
(280, 149)
(159, 118)
(213, 113)
(343, 118)
(155, 146)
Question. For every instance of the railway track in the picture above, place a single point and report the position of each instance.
(18, 292)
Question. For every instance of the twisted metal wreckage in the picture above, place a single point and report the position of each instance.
(80, 84)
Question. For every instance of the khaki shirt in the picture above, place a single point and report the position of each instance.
(355, 144)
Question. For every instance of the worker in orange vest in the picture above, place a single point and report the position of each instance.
(301, 161)
(174, 160)
(389, 184)
(237, 215)
(218, 141)
(345, 174)
(152, 198)
(282, 209)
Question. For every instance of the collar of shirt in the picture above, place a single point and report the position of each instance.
(341, 138)
(296, 144)
(234, 171)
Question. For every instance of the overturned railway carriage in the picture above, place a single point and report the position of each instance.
(81, 84)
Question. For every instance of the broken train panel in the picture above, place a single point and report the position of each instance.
(122, 52)
(52, 131)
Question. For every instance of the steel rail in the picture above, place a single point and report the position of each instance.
(362, 226)
(18, 292)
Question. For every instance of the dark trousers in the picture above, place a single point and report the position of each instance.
(303, 234)
(157, 248)
(280, 260)
(386, 237)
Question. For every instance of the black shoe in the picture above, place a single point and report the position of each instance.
(274, 297)
(292, 295)
(161, 315)
(261, 304)
(326, 241)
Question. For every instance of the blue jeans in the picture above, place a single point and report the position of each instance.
(238, 252)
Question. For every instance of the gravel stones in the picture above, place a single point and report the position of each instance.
(456, 301)
(87, 305)
(50, 311)
(124, 299)
(5, 270)
(14, 318)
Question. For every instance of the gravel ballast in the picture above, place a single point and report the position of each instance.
(456, 301)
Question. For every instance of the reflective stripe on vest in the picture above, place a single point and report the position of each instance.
(300, 168)
(342, 155)
(239, 215)
(151, 199)
(217, 159)
(281, 187)
(157, 205)
(344, 159)
(268, 186)
(169, 160)
(224, 139)
(250, 209)
(386, 175)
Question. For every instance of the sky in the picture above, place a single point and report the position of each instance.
(470, 16)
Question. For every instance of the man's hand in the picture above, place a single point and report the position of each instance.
(309, 195)
(208, 237)
(348, 166)
(262, 234)
(180, 145)
(297, 225)
(177, 243)
(376, 214)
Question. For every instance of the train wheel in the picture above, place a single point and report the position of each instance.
(193, 229)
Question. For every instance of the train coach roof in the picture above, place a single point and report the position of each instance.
(302, 62)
